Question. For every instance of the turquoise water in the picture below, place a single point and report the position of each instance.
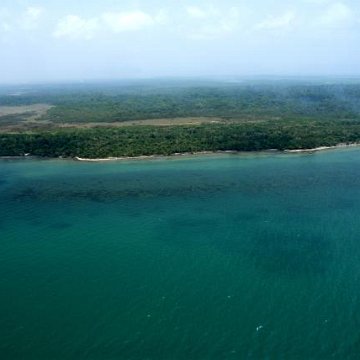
(220, 257)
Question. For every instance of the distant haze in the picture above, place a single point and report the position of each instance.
(63, 40)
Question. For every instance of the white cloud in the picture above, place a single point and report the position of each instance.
(317, 2)
(196, 12)
(276, 22)
(34, 12)
(213, 23)
(29, 20)
(5, 27)
(210, 32)
(162, 17)
(336, 14)
(75, 27)
(4, 13)
(128, 21)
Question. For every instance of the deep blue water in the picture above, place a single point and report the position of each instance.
(217, 257)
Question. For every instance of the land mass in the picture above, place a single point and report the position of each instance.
(144, 119)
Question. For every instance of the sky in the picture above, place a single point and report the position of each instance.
(67, 40)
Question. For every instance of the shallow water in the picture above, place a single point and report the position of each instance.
(217, 257)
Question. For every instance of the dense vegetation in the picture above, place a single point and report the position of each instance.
(81, 104)
(147, 140)
(281, 115)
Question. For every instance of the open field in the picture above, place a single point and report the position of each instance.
(37, 110)
(147, 122)
(29, 121)
(15, 117)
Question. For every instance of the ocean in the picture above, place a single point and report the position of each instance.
(250, 256)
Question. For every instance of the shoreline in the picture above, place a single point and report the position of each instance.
(156, 156)
(322, 148)
(199, 153)
(187, 154)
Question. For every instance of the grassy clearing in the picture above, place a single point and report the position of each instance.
(38, 110)
(20, 117)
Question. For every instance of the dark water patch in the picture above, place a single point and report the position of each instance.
(106, 194)
(188, 231)
(340, 204)
(61, 225)
(36, 223)
(117, 187)
(250, 215)
(191, 222)
(320, 202)
(292, 254)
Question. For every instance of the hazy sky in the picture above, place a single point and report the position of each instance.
(47, 40)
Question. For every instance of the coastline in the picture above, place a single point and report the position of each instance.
(187, 154)
(155, 156)
(200, 153)
(322, 148)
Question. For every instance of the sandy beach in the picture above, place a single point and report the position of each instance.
(321, 148)
(288, 151)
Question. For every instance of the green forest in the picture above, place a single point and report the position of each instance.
(257, 116)
(167, 140)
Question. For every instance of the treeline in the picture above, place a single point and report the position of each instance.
(148, 140)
